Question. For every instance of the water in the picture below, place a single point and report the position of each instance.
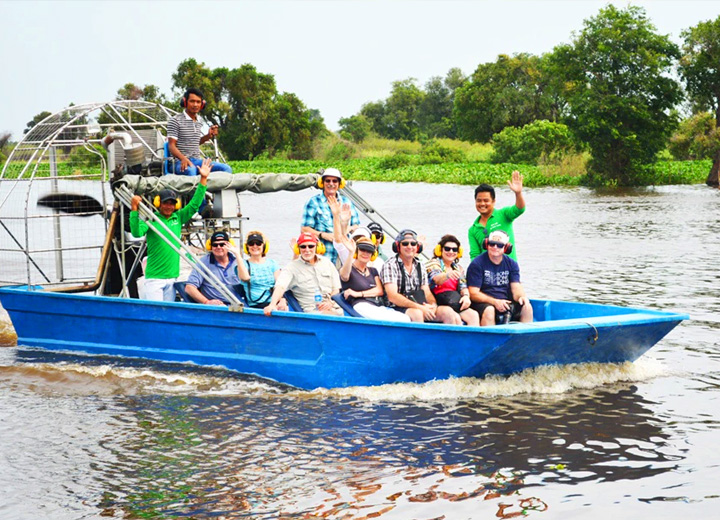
(95, 437)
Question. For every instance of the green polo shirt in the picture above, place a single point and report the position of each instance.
(501, 219)
(162, 260)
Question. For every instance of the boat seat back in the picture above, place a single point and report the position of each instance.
(180, 288)
(345, 306)
(168, 160)
(293, 303)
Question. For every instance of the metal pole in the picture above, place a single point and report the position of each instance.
(59, 271)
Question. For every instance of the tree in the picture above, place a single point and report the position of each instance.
(700, 68)
(402, 109)
(512, 91)
(435, 114)
(253, 116)
(149, 93)
(355, 128)
(35, 120)
(696, 138)
(620, 95)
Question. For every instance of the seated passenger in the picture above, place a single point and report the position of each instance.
(222, 263)
(406, 283)
(312, 278)
(361, 283)
(494, 282)
(379, 235)
(184, 132)
(258, 273)
(447, 279)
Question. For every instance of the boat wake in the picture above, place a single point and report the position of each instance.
(546, 380)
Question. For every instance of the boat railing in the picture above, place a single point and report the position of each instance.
(124, 195)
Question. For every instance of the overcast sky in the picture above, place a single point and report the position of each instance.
(335, 55)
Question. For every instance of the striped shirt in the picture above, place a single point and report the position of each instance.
(187, 133)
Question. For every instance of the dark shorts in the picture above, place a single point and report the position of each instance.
(515, 310)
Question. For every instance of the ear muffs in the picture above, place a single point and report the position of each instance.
(507, 249)
(401, 236)
(266, 247)
(438, 251)
(321, 184)
(319, 248)
(184, 102)
(372, 257)
(208, 245)
(156, 202)
(382, 238)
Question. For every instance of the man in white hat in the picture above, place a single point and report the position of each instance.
(318, 216)
(493, 280)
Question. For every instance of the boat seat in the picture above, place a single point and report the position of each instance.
(345, 306)
(180, 288)
(293, 303)
(168, 160)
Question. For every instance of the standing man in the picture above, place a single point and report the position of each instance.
(163, 262)
(318, 216)
(493, 280)
(491, 219)
(184, 132)
(223, 264)
(312, 278)
(406, 283)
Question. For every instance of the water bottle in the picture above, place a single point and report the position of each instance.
(318, 300)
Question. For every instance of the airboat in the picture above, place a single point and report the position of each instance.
(70, 271)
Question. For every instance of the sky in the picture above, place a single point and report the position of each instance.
(335, 55)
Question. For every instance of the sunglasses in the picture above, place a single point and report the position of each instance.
(496, 244)
(219, 244)
(408, 243)
(254, 243)
(450, 249)
(307, 246)
(331, 181)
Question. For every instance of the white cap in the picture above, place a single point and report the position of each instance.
(361, 231)
(331, 172)
(499, 236)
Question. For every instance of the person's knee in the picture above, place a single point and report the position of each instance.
(220, 167)
(488, 316)
(415, 315)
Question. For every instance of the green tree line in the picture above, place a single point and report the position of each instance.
(614, 91)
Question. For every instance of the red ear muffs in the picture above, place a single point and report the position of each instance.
(507, 250)
(400, 237)
(183, 103)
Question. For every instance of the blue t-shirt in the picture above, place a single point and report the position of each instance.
(493, 280)
(262, 281)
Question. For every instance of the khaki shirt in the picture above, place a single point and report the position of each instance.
(306, 280)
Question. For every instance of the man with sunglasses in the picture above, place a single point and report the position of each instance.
(492, 219)
(318, 216)
(222, 263)
(312, 278)
(406, 283)
(493, 280)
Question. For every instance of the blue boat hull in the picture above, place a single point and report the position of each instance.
(309, 351)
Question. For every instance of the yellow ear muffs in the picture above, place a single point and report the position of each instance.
(319, 248)
(156, 202)
(208, 245)
(438, 251)
(321, 184)
(372, 257)
(266, 244)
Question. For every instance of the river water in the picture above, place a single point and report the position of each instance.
(93, 437)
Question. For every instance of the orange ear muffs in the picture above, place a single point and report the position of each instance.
(156, 202)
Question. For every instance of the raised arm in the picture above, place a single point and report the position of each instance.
(516, 185)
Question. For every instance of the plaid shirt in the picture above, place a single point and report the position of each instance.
(393, 271)
(317, 215)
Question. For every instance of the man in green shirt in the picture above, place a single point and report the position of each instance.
(163, 262)
(492, 219)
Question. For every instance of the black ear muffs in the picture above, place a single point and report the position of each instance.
(156, 202)
(184, 102)
(507, 250)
